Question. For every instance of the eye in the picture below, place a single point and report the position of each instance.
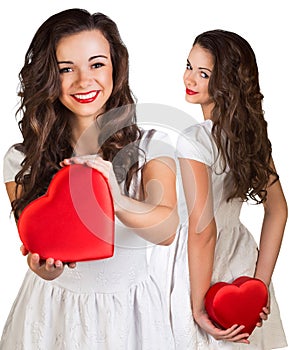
(98, 65)
(65, 70)
(188, 66)
(204, 75)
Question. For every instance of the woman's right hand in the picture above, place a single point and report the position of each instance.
(48, 269)
(231, 334)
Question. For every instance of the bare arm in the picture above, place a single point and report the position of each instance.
(202, 235)
(201, 230)
(155, 218)
(10, 188)
(275, 217)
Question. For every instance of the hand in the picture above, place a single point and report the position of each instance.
(231, 334)
(264, 315)
(93, 161)
(48, 269)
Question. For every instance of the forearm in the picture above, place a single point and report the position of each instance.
(270, 244)
(155, 223)
(201, 248)
(155, 219)
(275, 217)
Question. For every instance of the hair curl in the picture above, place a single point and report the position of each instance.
(44, 120)
(239, 127)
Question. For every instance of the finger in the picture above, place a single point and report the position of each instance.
(77, 160)
(49, 264)
(243, 341)
(72, 265)
(234, 334)
(23, 250)
(266, 310)
(232, 331)
(58, 264)
(238, 338)
(65, 162)
(102, 166)
(82, 159)
(34, 261)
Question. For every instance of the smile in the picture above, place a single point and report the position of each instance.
(190, 92)
(87, 97)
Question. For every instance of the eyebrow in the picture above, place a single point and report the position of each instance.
(90, 59)
(199, 67)
(205, 69)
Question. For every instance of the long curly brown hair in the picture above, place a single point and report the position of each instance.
(239, 126)
(44, 121)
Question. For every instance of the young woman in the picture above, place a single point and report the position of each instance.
(225, 161)
(77, 107)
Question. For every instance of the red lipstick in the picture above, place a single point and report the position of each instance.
(190, 92)
(86, 97)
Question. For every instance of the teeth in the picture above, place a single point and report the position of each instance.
(86, 96)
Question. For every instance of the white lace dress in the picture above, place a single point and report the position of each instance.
(111, 304)
(236, 255)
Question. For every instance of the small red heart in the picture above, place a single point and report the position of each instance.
(239, 302)
(74, 220)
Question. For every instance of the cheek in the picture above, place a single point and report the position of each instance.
(107, 80)
(64, 92)
(63, 87)
(185, 76)
(205, 87)
(110, 83)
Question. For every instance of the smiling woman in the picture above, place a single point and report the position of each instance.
(81, 105)
(85, 65)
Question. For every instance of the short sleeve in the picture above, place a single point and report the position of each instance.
(12, 164)
(159, 145)
(196, 143)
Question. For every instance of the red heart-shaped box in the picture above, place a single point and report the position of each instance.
(239, 302)
(74, 220)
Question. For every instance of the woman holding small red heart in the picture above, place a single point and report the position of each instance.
(77, 107)
(225, 160)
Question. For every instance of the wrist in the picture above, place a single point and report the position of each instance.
(120, 204)
(265, 280)
(198, 310)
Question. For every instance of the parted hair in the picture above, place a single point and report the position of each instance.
(44, 120)
(239, 127)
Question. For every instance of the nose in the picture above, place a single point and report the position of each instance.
(84, 78)
(189, 78)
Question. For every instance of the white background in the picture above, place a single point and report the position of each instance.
(159, 35)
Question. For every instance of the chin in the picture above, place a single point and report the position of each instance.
(190, 99)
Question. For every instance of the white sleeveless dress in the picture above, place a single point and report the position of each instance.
(236, 255)
(111, 304)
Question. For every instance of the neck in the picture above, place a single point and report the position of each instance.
(207, 110)
(85, 135)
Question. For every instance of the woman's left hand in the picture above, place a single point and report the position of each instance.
(264, 315)
(93, 161)
(232, 334)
